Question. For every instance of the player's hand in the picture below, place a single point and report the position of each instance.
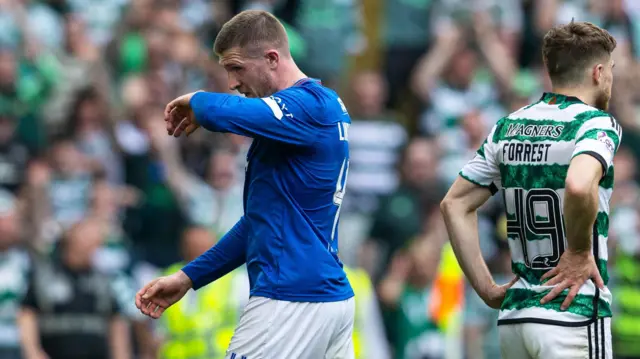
(159, 294)
(572, 271)
(494, 295)
(179, 116)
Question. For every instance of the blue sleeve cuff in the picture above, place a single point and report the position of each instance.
(228, 254)
(192, 273)
(202, 272)
(201, 106)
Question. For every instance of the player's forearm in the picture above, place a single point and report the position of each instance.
(270, 117)
(228, 254)
(462, 226)
(219, 112)
(204, 106)
(580, 211)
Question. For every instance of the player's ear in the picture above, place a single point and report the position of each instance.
(272, 57)
(597, 73)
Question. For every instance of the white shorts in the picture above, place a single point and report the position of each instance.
(275, 329)
(543, 341)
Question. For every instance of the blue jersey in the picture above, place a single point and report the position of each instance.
(295, 180)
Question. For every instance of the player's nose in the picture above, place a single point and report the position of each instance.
(234, 84)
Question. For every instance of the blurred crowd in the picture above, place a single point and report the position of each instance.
(96, 199)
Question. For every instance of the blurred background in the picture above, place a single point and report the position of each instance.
(96, 199)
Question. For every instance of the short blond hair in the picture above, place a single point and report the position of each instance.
(251, 30)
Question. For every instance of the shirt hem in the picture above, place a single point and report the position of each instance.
(560, 323)
(311, 298)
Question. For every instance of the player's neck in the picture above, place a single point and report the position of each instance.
(290, 75)
(583, 95)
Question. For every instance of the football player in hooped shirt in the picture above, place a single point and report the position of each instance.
(301, 303)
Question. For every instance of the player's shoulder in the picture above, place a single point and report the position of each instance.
(321, 103)
(310, 88)
(591, 118)
(584, 113)
(559, 108)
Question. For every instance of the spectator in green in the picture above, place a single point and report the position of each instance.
(407, 293)
(25, 86)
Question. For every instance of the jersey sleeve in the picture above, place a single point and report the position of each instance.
(483, 169)
(228, 254)
(599, 137)
(285, 117)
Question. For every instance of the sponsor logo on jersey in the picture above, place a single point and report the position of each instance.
(519, 129)
(602, 137)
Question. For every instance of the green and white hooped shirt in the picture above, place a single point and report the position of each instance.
(527, 154)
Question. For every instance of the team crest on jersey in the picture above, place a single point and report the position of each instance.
(602, 137)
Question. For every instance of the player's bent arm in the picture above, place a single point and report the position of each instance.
(459, 209)
(270, 117)
(228, 254)
(581, 201)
